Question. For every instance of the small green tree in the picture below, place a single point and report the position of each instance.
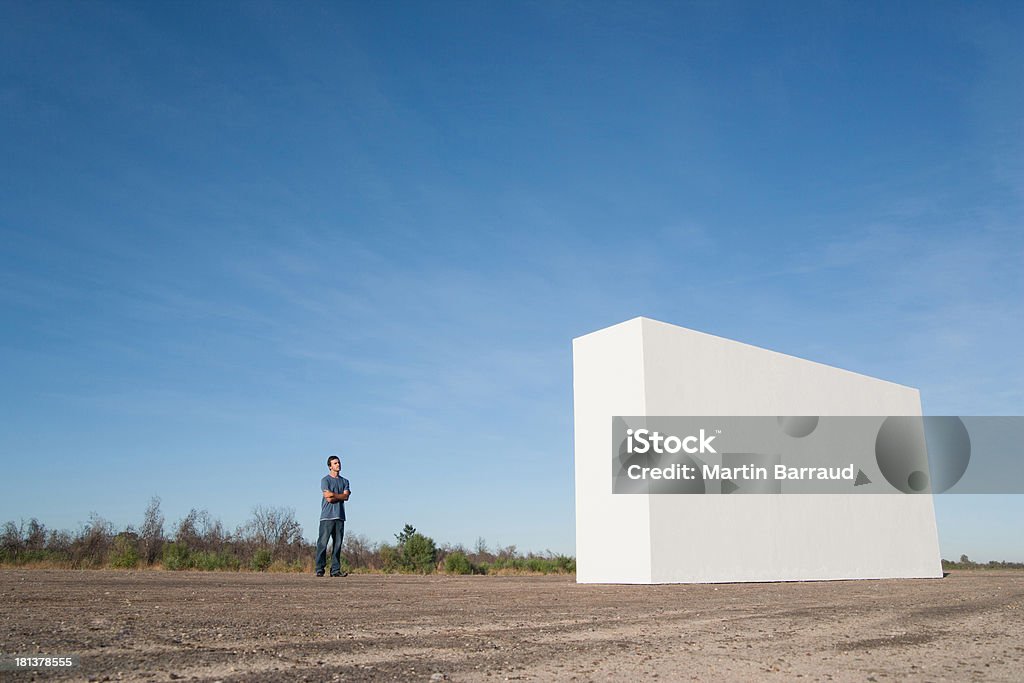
(414, 552)
(405, 534)
(457, 563)
(419, 554)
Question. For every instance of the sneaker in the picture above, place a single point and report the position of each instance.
(341, 574)
(319, 573)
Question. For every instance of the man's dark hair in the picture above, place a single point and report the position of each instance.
(333, 457)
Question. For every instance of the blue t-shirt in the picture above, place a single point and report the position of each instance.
(334, 485)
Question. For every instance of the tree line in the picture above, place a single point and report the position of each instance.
(966, 563)
(271, 540)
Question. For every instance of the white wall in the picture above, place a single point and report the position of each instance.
(715, 538)
(612, 532)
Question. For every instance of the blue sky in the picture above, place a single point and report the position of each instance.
(237, 238)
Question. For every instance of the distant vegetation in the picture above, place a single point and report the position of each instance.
(270, 541)
(415, 553)
(966, 563)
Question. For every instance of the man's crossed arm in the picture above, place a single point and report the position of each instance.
(332, 497)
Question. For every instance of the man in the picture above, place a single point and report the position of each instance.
(332, 517)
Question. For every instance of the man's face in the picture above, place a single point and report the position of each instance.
(335, 466)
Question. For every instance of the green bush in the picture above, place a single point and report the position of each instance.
(389, 559)
(177, 557)
(419, 554)
(414, 552)
(261, 560)
(125, 554)
(215, 561)
(457, 563)
(565, 564)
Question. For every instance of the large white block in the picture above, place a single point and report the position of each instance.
(645, 367)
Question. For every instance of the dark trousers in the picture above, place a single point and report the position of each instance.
(330, 529)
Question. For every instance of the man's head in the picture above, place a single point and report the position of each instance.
(334, 464)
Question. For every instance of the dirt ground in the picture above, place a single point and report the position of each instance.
(159, 626)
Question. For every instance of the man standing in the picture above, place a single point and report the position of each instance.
(332, 517)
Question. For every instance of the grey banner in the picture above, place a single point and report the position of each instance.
(801, 454)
